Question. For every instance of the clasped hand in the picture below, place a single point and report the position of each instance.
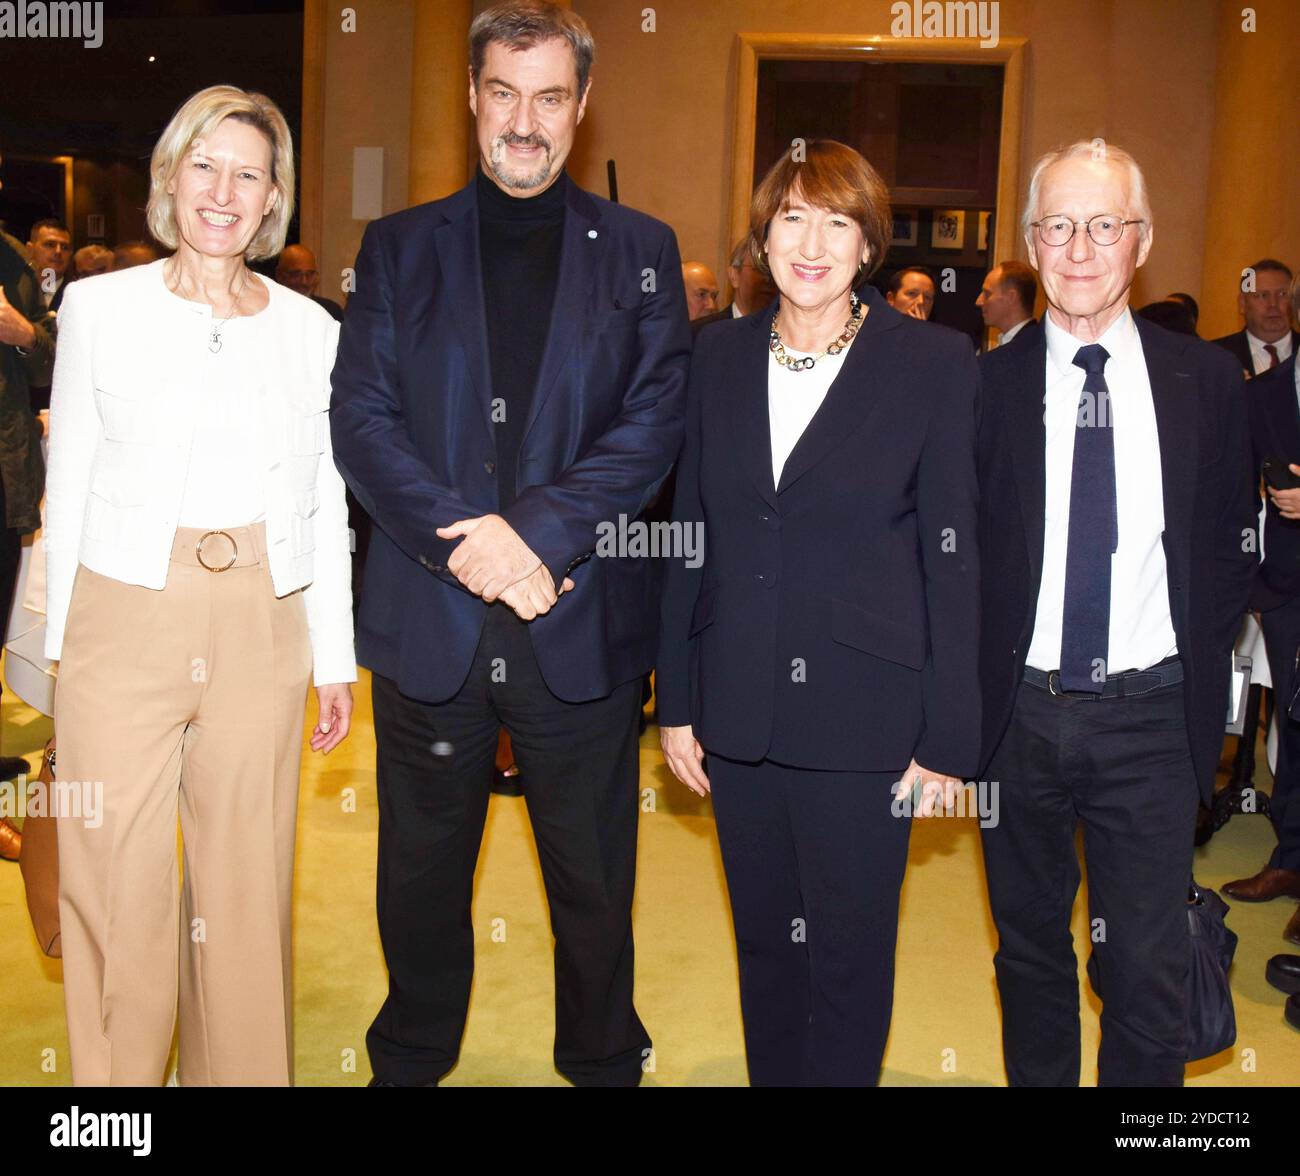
(492, 562)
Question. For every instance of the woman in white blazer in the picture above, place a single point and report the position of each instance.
(198, 576)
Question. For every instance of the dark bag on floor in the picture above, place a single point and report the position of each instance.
(1211, 1019)
(39, 862)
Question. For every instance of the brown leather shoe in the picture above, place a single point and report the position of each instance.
(1292, 932)
(1265, 886)
(11, 841)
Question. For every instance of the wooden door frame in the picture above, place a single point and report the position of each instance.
(1009, 52)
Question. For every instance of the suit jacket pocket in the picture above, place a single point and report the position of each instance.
(706, 611)
(879, 636)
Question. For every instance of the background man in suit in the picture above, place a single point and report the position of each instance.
(1116, 499)
(701, 290)
(49, 246)
(751, 289)
(912, 291)
(1275, 430)
(1267, 340)
(490, 439)
(296, 268)
(1006, 299)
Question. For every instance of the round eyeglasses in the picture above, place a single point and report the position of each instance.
(1105, 228)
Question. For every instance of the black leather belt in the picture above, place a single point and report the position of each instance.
(1126, 685)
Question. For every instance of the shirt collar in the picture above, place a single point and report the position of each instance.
(1062, 347)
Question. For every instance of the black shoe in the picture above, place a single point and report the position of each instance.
(512, 785)
(1283, 972)
(1293, 1010)
(12, 766)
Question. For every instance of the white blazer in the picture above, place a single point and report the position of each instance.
(122, 412)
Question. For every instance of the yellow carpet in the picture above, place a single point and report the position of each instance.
(946, 1026)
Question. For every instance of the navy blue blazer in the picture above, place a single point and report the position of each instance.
(411, 421)
(1275, 433)
(1210, 504)
(834, 620)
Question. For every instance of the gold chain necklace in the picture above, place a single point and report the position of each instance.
(841, 341)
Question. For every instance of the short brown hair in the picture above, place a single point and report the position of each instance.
(826, 174)
(1022, 279)
(521, 24)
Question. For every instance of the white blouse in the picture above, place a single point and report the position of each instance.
(793, 398)
(226, 482)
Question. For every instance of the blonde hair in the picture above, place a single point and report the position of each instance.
(196, 119)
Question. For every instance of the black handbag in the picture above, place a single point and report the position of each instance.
(1211, 1018)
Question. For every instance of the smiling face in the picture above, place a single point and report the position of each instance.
(223, 189)
(1086, 284)
(814, 253)
(527, 109)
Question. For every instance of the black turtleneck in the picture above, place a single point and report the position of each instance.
(519, 245)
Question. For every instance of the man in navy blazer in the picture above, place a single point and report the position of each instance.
(510, 384)
(1275, 433)
(1117, 516)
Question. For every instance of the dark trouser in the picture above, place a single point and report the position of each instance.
(1122, 768)
(435, 768)
(814, 864)
(1281, 640)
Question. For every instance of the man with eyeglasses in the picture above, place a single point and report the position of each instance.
(1117, 509)
(1267, 340)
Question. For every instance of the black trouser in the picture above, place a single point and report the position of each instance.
(1281, 640)
(1122, 768)
(435, 768)
(814, 864)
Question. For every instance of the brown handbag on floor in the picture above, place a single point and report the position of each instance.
(39, 862)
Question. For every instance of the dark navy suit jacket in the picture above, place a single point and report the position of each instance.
(411, 421)
(1211, 506)
(834, 621)
(1275, 433)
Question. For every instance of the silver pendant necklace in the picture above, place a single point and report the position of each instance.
(214, 340)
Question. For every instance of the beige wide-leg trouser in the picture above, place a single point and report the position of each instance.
(188, 699)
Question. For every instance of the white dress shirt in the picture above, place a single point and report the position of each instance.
(793, 398)
(1141, 629)
(1260, 359)
(736, 312)
(225, 484)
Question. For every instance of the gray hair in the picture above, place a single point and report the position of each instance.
(521, 24)
(1101, 151)
(738, 255)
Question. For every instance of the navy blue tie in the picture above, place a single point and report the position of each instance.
(1094, 532)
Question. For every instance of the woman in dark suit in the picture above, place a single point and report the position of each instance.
(824, 650)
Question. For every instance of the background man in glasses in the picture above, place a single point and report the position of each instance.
(1116, 503)
(1267, 340)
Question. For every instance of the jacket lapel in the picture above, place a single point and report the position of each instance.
(749, 392)
(1025, 406)
(456, 240)
(1174, 392)
(853, 395)
(580, 253)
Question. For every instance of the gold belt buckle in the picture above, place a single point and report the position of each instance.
(198, 550)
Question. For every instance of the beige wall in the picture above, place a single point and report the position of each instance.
(366, 96)
(1137, 72)
(1254, 206)
(1174, 81)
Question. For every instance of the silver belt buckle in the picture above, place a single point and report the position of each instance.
(234, 554)
(1054, 682)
